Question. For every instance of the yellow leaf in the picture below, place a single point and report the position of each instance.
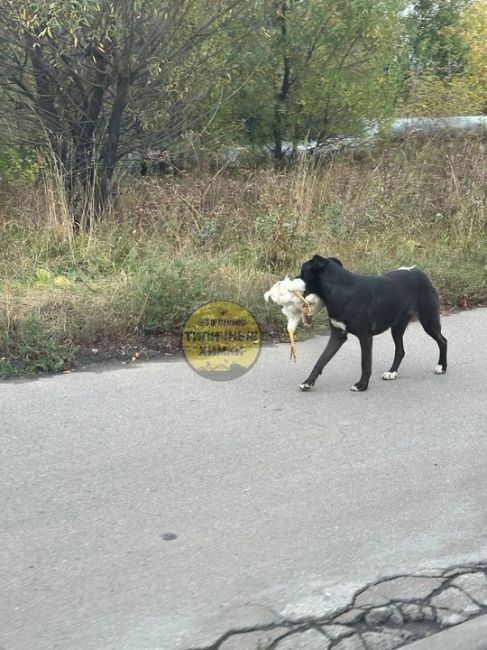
(60, 282)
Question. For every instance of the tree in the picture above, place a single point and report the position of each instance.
(448, 75)
(313, 69)
(474, 81)
(92, 77)
(434, 35)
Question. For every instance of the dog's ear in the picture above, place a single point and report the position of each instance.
(336, 260)
(311, 268)
(319, 262)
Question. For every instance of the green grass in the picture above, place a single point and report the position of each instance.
(27, 349)
(171, 244)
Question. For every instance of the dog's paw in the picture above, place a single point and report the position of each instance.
(304, 387)
(439, 370)
(389, 376)
(359, 387)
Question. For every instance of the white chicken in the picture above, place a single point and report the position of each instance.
(290, 295)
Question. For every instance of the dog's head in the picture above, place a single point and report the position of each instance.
(312, 270)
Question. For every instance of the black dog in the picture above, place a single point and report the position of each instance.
(369, 305)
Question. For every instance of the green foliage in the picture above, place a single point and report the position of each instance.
(264, 72)
(312, 69)
(168, 293)
(28, 348)
(450, 74)
(434, 32)
(43, 278)
(17, 166)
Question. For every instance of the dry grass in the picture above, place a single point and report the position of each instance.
(171, 243)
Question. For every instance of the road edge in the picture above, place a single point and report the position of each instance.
(471, 635)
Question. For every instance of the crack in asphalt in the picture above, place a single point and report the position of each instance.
(383, 615)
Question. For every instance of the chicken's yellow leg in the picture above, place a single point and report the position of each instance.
(293, 345)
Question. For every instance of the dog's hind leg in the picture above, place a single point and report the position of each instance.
(435, 333)
(335, 342)
(430, 320)
(366, 347)
(397, 332)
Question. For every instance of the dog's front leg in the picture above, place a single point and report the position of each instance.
(337, 339)
(366, 346)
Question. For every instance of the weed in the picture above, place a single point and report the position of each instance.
(27, 349)
(170, 244)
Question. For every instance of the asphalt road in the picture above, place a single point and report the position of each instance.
(147, 507)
